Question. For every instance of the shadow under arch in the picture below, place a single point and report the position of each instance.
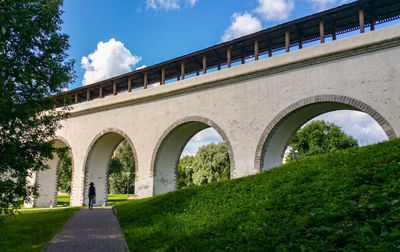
(97, 160)
(276, 136)
(165, 158)
(47, 180)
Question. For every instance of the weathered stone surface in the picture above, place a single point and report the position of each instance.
(255, 107)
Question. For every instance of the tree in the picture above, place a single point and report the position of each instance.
(33, 66)
(122, 163)
(320, 137)
(116, 178)
(183, 178)
(211, 164)
(65, 171)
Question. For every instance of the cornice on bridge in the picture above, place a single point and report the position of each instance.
(317, 27)
(356, 45)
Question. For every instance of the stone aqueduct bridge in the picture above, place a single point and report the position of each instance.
(255, 107)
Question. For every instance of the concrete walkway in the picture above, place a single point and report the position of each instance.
(89, 230)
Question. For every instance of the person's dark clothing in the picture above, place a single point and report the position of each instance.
(92, 191)
(92, 196)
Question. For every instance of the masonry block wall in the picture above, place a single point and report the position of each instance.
(255, 107)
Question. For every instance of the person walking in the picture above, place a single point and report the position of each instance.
(92, 195)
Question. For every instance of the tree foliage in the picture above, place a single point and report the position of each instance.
(320, 137)
(65, 175)
(211, 164)
(33, 66)
(184, 179)
(122, 163)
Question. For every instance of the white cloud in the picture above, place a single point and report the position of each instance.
(269, 10)
(109, 59)
(192, 2)
(321, 5)
(356, 124)
(207, 135)
(187, 152)
(241, 25)
(169, 4)
(141, 67)
(162, 4)
(275, 10)
(154, 85)
(204, 137)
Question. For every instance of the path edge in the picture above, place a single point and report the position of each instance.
(120, 229)
(59, 231)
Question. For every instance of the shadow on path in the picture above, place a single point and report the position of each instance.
(89, 230)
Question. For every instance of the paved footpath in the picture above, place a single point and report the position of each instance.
(89, 230)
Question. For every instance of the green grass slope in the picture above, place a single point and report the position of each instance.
(347, 200)
(31, 230)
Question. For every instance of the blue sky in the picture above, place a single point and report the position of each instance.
(159, 30)
(109, 38)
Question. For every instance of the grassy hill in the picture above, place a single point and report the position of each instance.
(347, 200)
(31, 230)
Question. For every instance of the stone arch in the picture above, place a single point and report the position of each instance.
(47, 180)
(170, 146)
(98, 157)
(275, 138)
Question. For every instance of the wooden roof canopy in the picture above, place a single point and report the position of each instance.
(345, 18)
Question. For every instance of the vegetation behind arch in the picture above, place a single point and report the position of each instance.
(319, 137)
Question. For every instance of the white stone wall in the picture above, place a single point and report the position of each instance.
(97, 163)
(242, 101)
(31, 180)
(47, 182)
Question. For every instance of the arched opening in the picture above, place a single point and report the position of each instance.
(98, 160)
(64, 178)
(48, 180)
(276, 137)
(204, 159)
(121, 173)
(169, 151)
